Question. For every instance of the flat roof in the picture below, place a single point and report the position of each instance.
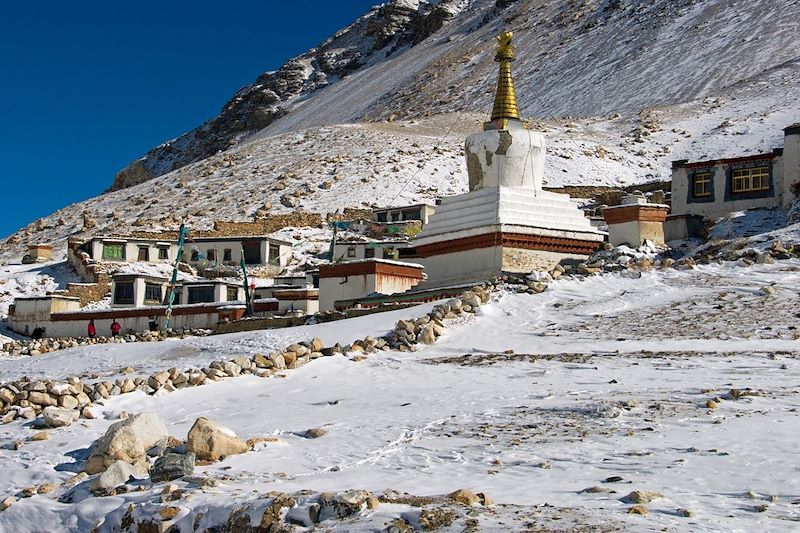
(161, 241)
(401, 207)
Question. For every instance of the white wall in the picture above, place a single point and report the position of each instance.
(719, 207)
(340, 250)
(457, 267)
(791, 167)
(522, 164)
(344, 288)
(78, 328)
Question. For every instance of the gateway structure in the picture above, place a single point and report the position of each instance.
(506, 222)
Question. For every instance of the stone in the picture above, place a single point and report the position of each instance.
(278, 361)
(127, 440)
(289, 357)
(231, 368)
(405, 325)
(211, 441)
(68, 402)
(42, 398)
(640, 496)
(471, 299)
(315, 433)
(768, 291)
(56, 417)
(594, 490)
(427, 335)
(262, 362)
(638, 509)
(172, 466)
(298, 349)
(271, 519)
(348, 503)
(464, 496)
(40, 435)
(243, 362)
(168, 513)
(7, 502)
(686, 513)
(59, 389)
(118, 473)
(317, 345)
(46, 488)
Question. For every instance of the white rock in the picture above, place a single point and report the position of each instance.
(127, 440)
(56, 417)
(119, 473)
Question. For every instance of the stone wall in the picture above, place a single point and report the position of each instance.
(269, 224)
(90, 292)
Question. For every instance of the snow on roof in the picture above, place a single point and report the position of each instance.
(385, 261)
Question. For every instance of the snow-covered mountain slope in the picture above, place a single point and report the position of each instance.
(413, 58)
(601, 383)
(325, 169)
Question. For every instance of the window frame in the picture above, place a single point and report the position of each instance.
(163, 252)
(739, 181)
(704, 178)
(747, 178)
(128, 285)
(232, 290)
(148, 287)
(108, 246)
(192, 293)
(227, 255)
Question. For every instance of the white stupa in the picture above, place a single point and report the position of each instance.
(506, 222)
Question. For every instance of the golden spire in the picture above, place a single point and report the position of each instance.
(505, 100)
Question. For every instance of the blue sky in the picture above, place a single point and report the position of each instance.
(86, 87)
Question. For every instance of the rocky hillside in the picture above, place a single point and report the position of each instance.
(413, 58)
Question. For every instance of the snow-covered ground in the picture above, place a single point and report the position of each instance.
(609, 376)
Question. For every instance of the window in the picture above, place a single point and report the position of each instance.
(123, 293)
(233, 294)
(113, 251)
(252, 252)
(389, 253)
(144, 253)
(163, 253)
(369, 252)
(750, 179)
(351, 251)
(211, 255)
(274, 254)
(701, 184)
(226, 255)
(412, 215)
(152, 293)
(202, 294)
(195, 255)
(382, 216)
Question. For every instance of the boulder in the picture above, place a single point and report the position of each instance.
(172, 466)
(127, 440)
(316, 344)
(118, 473)
(211, 441)
(464, 496)
(56, 417)
(42, 398)
(427, 335)
(471, 299)
(68, 402)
